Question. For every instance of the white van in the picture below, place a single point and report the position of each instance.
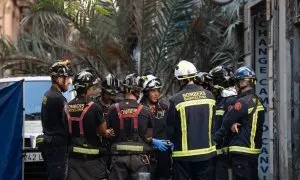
(33, 90)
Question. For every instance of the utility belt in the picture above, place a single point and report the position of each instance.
(46, 140)
(130, 148)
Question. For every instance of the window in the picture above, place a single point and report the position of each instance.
(33, 94)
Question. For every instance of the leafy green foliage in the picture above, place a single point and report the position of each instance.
(122, 36)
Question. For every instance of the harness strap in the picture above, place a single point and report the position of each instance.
(78, 119)
(131, 115)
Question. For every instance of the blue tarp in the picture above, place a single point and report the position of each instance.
(11, 123)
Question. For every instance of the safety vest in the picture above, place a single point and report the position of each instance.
(185, 151)
(132, 143)
(192, 136)
(81, 148)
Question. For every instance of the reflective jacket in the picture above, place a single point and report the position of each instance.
(222, 136)
(190, 123)
(249, 112)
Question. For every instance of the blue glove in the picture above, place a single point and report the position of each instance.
(160, 144)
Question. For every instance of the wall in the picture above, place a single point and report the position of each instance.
(284, 84)
(10, 17)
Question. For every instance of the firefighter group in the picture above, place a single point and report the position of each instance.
(211, 129)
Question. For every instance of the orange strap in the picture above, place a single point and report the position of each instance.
(131, 115)
(78, 119)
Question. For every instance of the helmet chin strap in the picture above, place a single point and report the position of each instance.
(241, 88)
(61, 88)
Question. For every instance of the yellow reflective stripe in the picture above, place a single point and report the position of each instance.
(259, 108)
(194, 152)
(223, 150)
(210, 123)
(85, 150)
(195, 102)
(186, 77)
(183, 129)
(244, 149)
(254, 123)
(130, 148)
(253, 130)
(39, 140)
(220, 112)
(181, 107)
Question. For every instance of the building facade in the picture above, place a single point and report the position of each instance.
(11, 13)
(272, 48)
(10, 16)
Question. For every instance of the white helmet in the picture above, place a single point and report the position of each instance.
(185, 70)
(151, 82)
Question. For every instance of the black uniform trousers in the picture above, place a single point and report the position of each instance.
(129, 167)
(81, 168)
(161, 169)
(56, 160)
(244, 167)
(192, 170)
(221, 167)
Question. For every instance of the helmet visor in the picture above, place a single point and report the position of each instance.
(154, 84)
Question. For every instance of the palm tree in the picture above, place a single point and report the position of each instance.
(11, 58)
(145, 36)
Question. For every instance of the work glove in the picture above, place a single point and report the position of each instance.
(162, 145)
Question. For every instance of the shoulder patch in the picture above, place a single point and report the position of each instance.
(238, 106)
(44, 101)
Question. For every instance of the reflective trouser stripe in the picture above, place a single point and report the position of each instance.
(85, 150)
(130, 148)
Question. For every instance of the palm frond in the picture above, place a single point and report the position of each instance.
(115, 35)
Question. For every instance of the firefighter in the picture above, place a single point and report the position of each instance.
(53, 142)
(131, 146)
(161, 170)
(85, 122)
(204, 80)
(225, 94)
(245, 118)
(109, 89)
(189, 126)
